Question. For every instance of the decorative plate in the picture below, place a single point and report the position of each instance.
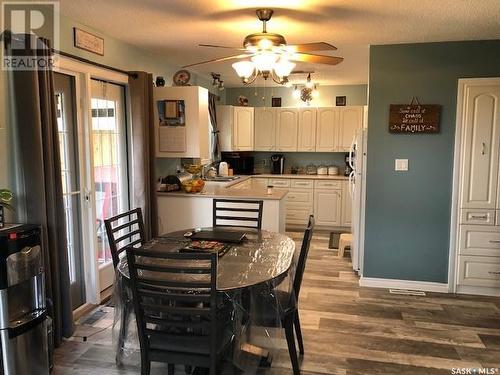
(181, 78)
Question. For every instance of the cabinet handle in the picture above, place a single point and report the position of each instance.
(494, 241)
(494, 272)
(479, 217)
(483, 152)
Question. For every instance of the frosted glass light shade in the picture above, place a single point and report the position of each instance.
(244, 69)
(283, 68)
(265, 61)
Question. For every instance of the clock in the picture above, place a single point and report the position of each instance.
(181, 78)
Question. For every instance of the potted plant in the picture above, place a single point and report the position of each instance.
(5, 199)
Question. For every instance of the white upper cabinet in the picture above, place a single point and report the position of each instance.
(307, 130)
(265, 130)
(287, 122)
(236, 126)
(327, 129)
(243, 128)
(481, 147)
(350, 121)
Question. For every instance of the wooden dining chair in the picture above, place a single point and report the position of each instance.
(175, 302)
(125, 229)
(237, 213)
(288, 302)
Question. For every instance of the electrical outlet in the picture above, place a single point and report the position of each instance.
(401, 165)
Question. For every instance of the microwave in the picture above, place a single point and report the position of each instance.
(240, 162)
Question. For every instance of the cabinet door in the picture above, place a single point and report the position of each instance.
(346, 205)
(326, 129)
(350, 121)
(327, 207)
(243, 129)
(265, 133)
(307, 129)
(287, 121)
(480, 147)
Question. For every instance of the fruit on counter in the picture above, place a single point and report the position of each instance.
(193, 186)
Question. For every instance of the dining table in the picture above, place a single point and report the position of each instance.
(262, 262)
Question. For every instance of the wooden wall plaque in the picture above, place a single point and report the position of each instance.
(414, 118)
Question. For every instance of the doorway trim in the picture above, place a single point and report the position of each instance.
(456, 186)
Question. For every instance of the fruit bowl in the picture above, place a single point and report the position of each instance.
(193, 168)
(193, 186)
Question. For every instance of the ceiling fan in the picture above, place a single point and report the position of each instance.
(269, 55)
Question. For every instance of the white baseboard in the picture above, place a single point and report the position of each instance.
(478, 290)
(425, 286)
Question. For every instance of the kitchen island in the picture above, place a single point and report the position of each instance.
(179, 210)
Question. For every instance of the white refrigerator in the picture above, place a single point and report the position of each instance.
(357, 192)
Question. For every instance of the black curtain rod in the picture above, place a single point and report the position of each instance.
(87, 61)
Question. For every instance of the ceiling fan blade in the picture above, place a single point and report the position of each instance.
(242, 56)
(225, 47)
(316, 59)
(308, 47)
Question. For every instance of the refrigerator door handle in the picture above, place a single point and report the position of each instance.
(351, 152)
(351, 184)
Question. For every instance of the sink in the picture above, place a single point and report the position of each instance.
(222, 178)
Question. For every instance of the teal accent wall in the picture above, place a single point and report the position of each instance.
(261, 96)
(408, 213)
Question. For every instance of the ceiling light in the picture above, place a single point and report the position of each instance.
(221, 86)
(283, 67)
(309, 82)
(244, 69)
(265, 44)
(265, 61)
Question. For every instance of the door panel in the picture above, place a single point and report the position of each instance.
(307, 129)
(109, 155)
(481, 145)
(327, 207)
(327, 129)
(286, 129)
(265, 134)
(64, 86)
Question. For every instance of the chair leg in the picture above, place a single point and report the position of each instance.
(298, 332)
(290, 339)
(145, 364)
(123, 333)
(171, 369)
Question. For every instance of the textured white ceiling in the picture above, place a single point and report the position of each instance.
(175, 27)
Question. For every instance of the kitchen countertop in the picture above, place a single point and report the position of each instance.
(222, 190)
(302, 176)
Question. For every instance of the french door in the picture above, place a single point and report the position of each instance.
(109, 166)
(71, 182)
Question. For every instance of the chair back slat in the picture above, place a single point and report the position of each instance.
(237, 213)
(304, 251)
(174, 297)
(125, 229)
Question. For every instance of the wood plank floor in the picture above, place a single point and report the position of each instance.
(348, 329)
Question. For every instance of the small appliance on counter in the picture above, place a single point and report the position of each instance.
(333, 170)
(277, 164)
(223, 169)
(242, 163)
(174, 182)
(311, 169)
(23, 312)
(348, 163)
(322, 170)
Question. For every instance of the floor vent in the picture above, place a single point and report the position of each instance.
(407, 292)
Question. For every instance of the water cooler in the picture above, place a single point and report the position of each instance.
(23, 313)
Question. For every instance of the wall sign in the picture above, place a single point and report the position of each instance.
(88, 42)
(414, 118)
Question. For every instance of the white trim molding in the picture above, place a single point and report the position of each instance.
(426, 286)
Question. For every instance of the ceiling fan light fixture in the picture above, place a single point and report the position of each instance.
(309, 82)
(283, 67)
(244, 69)
(265, 61)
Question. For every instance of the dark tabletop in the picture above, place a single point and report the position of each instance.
(263, 256)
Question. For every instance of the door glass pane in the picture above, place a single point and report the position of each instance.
(110, 161)
(70, 176)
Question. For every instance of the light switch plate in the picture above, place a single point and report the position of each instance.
(401, 165)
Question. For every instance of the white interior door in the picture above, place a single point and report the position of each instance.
(109, 166)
